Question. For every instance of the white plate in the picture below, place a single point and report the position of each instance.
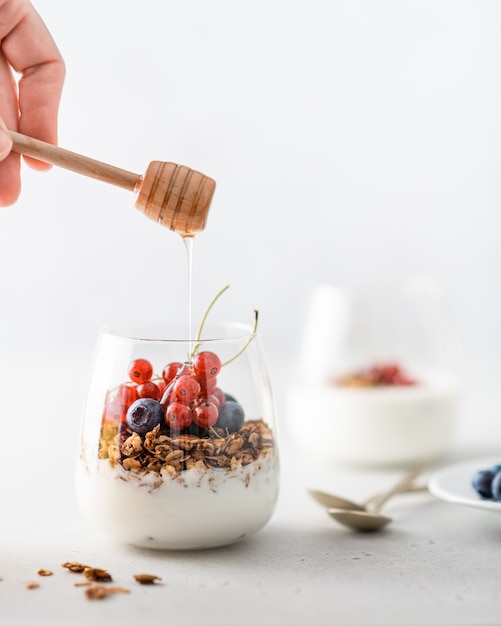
(453, 483)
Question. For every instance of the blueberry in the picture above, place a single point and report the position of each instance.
(193, 429)
(231, 416)
(228, 396)
(494, 468)
(496, 486)
(144, 414)
(482, 483)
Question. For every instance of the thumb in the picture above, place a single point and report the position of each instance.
(5, 141)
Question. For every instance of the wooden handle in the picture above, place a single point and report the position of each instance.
(75, 162)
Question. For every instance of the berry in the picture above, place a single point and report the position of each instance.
(186, 369)
(214, 399)
(228, 396)
(178, 416)
(113, 413)
(206, 365)
(186, 388)
(124, 395)
(205, 414)
(140, 371)
(231, 416)
(144, 415)
(170, 371)
(219, 394)
(117, 402)
(149, 390)
(208, 385)
(168, 395)
(496, 487)
(193, 429)
(482, 483)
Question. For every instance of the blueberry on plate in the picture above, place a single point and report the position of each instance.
(496, 486)
(231, 416)
(482, 482)
(144, 414)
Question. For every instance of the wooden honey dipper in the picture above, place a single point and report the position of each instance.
(172, 195)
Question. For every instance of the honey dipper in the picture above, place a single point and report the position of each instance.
(172, 195)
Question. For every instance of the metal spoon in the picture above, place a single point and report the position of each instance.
(373, 520)
(331, 501)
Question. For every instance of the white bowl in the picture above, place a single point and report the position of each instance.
(378, 426)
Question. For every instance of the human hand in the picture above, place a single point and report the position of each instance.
(31, 106)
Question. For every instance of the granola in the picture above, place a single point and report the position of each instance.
(74, 566)
(44, 572)
(159, 451)
(97, 574)
(146, 579)
(32, 585)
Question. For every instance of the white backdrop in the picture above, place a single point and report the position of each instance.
(351, 141)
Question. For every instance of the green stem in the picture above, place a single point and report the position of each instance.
(244, 347)
(204, 318)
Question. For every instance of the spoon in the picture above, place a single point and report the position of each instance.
(365, 520)
(332, 501)
(172, 195)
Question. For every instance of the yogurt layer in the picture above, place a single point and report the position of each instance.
(194, 509)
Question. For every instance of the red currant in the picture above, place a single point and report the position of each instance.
(402, 380)
(187, 388)
(140, 371)
(215, 401)
(168, 395)
(206, 364)
(149, 390)
(178, 416)
(206, 414)
(170, 371)
(219, 394)
(123, 395)
(186, 369)
(208, 385)
(113, 413)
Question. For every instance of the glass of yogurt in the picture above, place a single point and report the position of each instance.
(178, 445)
(377, 374)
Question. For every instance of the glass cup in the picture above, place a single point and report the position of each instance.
(376, 375)
(178, 446)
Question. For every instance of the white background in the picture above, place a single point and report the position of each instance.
(351, 141)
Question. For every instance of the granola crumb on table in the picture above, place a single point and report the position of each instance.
(146, 579)
(96, 577)
(44, 572)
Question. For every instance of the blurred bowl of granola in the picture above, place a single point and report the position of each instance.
(375, 382)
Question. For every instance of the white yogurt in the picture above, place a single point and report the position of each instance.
(376, 425)
(192, 510)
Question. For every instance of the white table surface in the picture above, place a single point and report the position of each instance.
(437, 564)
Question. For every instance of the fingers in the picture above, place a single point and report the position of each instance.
(31, 51)
(32, 107)
(9, 164)
(5, 142)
